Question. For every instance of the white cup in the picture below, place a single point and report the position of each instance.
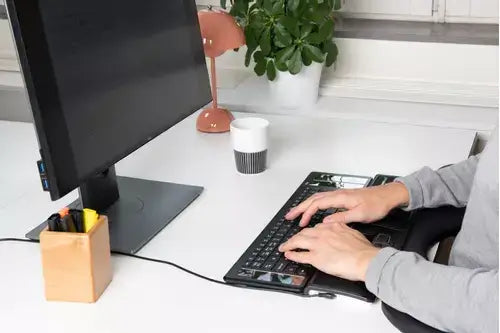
(249, 137)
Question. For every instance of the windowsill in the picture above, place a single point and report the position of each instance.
(252, 95)
(457, 33)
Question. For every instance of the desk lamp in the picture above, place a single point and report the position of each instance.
(220, 33)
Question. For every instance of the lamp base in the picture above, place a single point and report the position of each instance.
(214, 120)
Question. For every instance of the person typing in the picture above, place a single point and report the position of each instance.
(459, 297)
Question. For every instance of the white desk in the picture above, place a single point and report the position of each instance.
(210, 234)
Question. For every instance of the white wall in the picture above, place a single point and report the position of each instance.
(472, 11)
(469, 11)
(394, 7)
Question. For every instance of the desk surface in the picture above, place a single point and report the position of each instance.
(211, 233)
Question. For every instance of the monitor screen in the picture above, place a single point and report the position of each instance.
(105, 77)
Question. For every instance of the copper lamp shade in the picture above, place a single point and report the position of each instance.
(220, 33)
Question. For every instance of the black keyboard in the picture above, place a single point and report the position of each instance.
(262, 263)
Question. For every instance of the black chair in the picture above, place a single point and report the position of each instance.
(430, 226)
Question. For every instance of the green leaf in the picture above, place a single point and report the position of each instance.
(295, 62)
(239, 8)
(293, 5)
(337, 4)
(305, 30)
(331, 52)
(250, 39)
(291, 25)
(268, 6)
(306, 59)
(258, 57)
(248, 57)
(265, 42)
(283, 55)
(281, 66)
(282, 37)
(278, 8)
(326, 30)
(314, 53)
(314, 38)
(260, 68)
(318, 13)
(271, 70)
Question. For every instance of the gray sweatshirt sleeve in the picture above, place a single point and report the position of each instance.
(449, 298)
(447, 186)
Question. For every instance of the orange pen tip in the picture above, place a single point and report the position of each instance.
(63, 212)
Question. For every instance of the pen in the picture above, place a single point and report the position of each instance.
(53, 222)
(63, 212)
(77, 216)
(66, 224)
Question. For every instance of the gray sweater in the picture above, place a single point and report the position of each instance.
(463, 296)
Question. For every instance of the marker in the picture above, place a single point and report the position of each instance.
(66, 224)
(53, 222)
(77, 216)
(90, 217)
(63, 212)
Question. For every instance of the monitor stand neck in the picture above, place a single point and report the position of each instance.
(100, 191)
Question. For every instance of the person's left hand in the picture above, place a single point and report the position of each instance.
(333, 248)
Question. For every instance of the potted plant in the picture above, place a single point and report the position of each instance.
(290, 41)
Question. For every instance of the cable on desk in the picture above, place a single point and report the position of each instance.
(206, 278)
(18, 240)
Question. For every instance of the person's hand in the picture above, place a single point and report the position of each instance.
(332, 248)
(360, 205)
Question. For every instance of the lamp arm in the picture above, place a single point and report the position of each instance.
(214, 82)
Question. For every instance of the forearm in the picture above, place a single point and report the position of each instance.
(449, 298)
(447, 186)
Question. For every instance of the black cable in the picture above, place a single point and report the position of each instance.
(325, 295)
(18, 240)
(171, 264)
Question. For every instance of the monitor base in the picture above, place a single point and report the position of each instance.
(144, 208)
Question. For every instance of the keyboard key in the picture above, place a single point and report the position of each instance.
(268, 266)
(291, 269)
(256, 265)
(280, 266)
(273, 259)
(269, 248)
(273, 244)
(265, 254)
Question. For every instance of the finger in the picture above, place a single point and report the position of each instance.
(296, 211)
(343, 217)
(300, 257)
(309, 232)
(297, 242)
(320, 203)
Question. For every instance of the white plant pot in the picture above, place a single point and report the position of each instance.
(296, 91)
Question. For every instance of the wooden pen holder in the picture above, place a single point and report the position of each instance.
(76, 266)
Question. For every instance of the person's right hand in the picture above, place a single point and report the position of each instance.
(359, 205)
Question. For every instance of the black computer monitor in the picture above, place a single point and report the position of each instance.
(104, 78)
